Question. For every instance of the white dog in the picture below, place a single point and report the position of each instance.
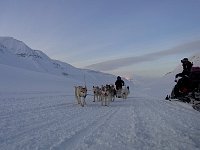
(97, 93)
(124, 92)
(105, 96)
(112, 91)
(80, 94)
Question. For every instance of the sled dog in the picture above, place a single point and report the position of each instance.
(80, 94)
(97, 93)
(124, 92)
(105, 96)
(112, 91)
(108, 93)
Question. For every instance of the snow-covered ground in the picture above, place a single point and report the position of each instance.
(38, 110)
(54, 121)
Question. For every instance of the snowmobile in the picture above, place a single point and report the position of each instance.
(187, 88)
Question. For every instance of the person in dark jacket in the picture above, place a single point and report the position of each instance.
(183, 83)
(187, 66)
(119, 83)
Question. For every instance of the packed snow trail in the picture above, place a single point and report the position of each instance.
(55, 121)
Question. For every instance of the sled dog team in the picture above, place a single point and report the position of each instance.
(104, 94)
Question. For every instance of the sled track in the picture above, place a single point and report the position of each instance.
(57, 122)
(44, 107)
(75, 140)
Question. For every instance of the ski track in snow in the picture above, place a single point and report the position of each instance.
(54, 121)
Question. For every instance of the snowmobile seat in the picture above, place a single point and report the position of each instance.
(195, 77)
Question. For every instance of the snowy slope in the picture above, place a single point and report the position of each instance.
(18, 54)
(15, 53)
(21, 80)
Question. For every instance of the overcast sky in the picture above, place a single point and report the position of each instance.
(122, 37)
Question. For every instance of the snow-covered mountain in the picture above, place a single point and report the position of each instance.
(18, 54)
(22, 60)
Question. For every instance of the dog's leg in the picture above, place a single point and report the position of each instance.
(79, 101)
(123, 95)
(103, 100)
(82, 101)
(113, 97)
(76, 95)
(109, 99)
(97, 96)
(94, 98)
(100, 98)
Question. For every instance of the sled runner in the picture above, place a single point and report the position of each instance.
(196, 106)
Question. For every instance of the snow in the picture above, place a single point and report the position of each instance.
(45, 115)
(38, 110)
(53, 121)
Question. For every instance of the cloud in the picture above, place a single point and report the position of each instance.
(118, 63)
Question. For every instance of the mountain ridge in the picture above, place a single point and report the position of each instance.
(36, 60)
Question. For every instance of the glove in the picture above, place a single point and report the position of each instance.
(176, 76)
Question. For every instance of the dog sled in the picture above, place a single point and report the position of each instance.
(123, 92)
